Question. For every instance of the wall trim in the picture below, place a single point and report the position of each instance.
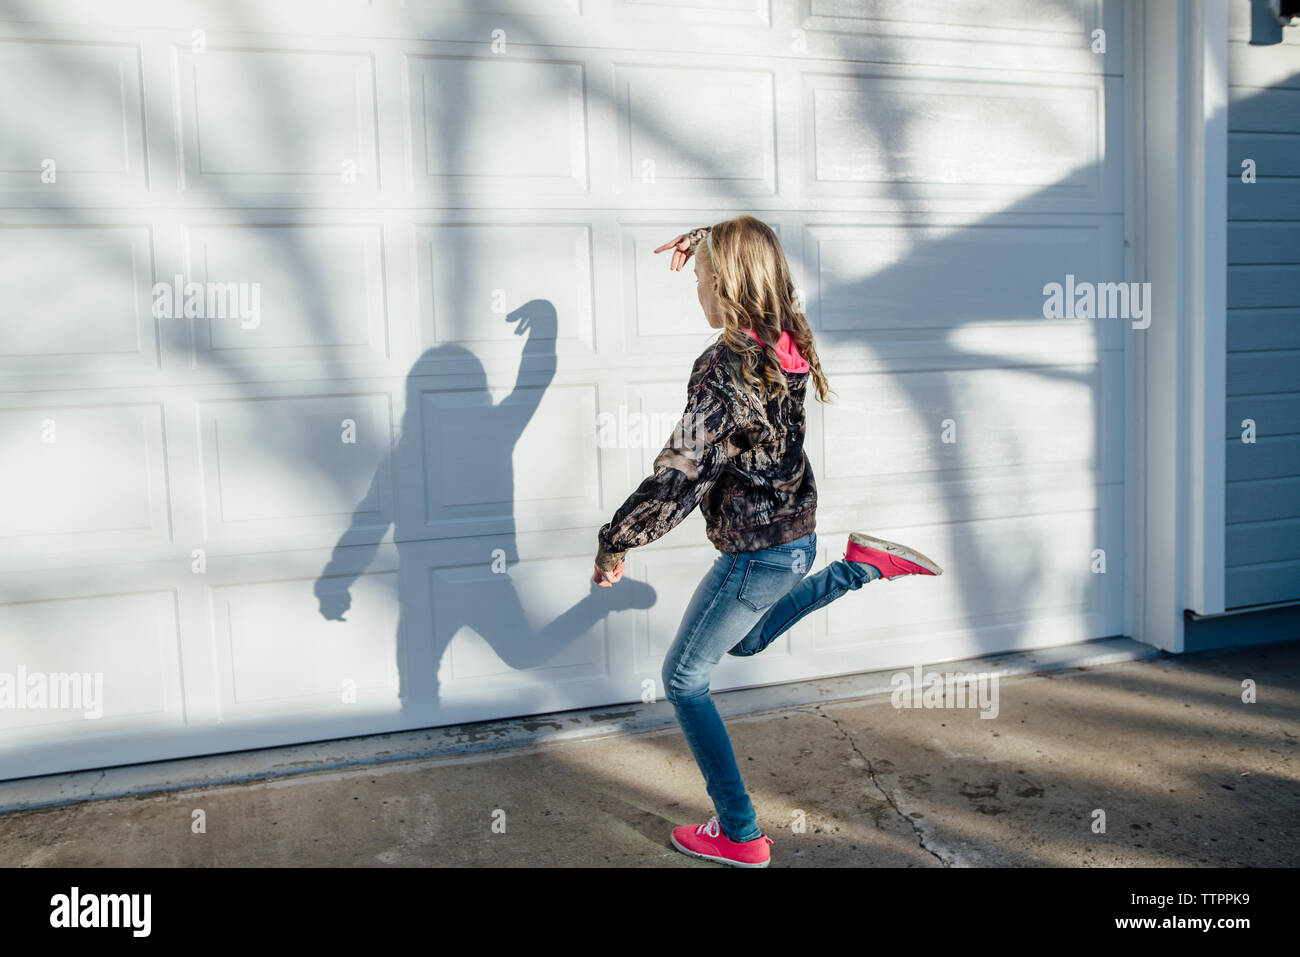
(1208, 309)
(1179, 463)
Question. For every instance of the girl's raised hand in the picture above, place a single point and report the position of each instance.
(681, 247)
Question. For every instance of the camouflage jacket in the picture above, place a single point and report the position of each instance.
(740, 459)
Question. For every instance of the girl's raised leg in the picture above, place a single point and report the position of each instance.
(815, 591)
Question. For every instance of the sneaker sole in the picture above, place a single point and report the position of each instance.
(893, 548)
(720, 860)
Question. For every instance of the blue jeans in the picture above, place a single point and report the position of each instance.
(745, 602)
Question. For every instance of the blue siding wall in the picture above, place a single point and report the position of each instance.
(1263, 373)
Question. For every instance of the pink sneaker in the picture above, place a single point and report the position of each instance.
(891, 560)
(708, 841)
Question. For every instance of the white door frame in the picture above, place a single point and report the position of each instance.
(1178, 69)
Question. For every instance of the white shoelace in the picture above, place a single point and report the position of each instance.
(713, 829)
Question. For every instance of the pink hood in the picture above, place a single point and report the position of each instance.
(787, 352)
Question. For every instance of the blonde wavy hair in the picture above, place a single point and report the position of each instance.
(755, 291)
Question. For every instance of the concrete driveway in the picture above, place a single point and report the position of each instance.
(1183, 771)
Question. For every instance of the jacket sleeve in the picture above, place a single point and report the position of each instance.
(697, 235)
(684, 471)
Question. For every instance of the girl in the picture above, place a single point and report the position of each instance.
(738, 453)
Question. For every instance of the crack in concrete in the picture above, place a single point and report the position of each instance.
(871, 773)
(98, 781)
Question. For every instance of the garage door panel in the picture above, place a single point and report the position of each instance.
(83, 120)
(921, 278)
(672, 136)
(524, 456)
(275, 653)
(994, 573)
(973, 345)
(276, 466)
(289, 294)
(332, 16)
(978, 496)
(284, 120)
(514, 627)
(77, 299)
(527, 130)
(78, 667)
(911, 137)
(1066, 18)
(677, 12)
(83, 477)
(872, 130)
(1053, 38)
(487, 289)
(925, 426)
(531, 8)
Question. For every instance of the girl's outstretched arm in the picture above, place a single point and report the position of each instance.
(684, 470)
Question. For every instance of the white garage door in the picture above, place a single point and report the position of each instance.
(436, 220)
